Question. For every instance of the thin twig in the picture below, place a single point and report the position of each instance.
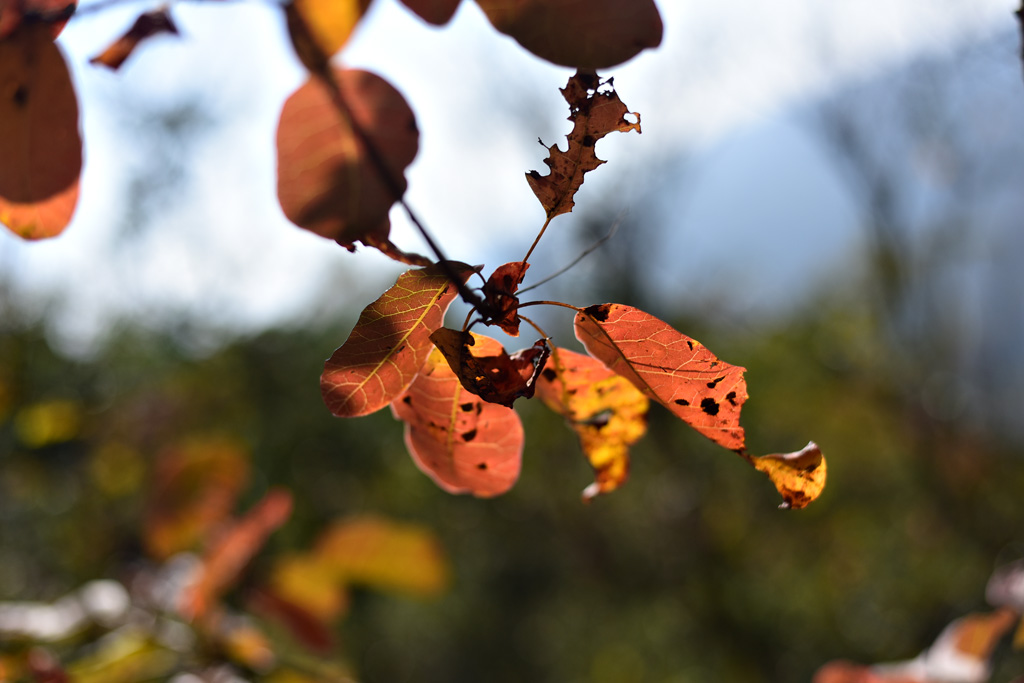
(589, 250)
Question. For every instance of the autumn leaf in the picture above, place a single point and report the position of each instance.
(52, 13)
(320, 28)
(299, 621)
(593, 35)
(40, 146)
(437, 12)
(146, 26)
(961, 653)
(605, 410)
(668, 367)
(389, 343)
(500, 296)
(495, 377)
(195, 486)
(799, 476)
(235, 547)
(594, 114)
(328, 181)
(465, 444)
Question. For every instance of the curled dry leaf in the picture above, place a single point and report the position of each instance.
(588, 35)
(500, 295)
(495, 377)
(319, 28)
(195, 485)
(465, 444)
(40, 146)
(437, 12)
(798, 476)
(668, 367)
(328, 182)
(605, 410)
(593, 114)
(229, 554)
(146, 26)
(389, 343)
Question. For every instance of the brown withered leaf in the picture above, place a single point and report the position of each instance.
(328, 182)
(465, 444)
(500, 295)
(232, 551)
(586, 35)
(437, 12)
(40, 145)
(498, 377)
(594, 114)
(799, 476)
(605, 410)
(146, 26)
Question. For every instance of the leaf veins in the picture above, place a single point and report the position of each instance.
(594, 114)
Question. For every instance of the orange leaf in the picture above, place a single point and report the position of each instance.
(594, 115)
(195, 485)
(465, 444)
(327, 181)
(40, 147)
(146, 26)
(389, 343)
(319, 28)
(497, 378)
(588, 35)
(605, 410)
(799, 476)
(232, 551)
(500, 295)
(437, 12)
(669, 367)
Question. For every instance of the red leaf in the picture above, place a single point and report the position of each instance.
(40, 147)
(594, 115)
(327, 181)
(588, 35)
(497, 378)
(437, 12)
(233, 550)
(605, 410)
(146, 26)
(389, 343)
(669, 367)
(465, 444)
(500, 295)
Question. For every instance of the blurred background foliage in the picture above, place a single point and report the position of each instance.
(689, 572)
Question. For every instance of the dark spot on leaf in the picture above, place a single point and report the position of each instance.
(681, 402)
(573, 391)
(481, 466)
(534, 174)
(598, 312)
(714, 363)
(731, 398)
(588, 141)
(20, 96)
(407, 400)
(469, 436)
(549, 374)
(714, 383)
(690, 344)
(709, 406)
(466, 407)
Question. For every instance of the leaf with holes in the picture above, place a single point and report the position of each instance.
(799, 477)
(668, 367)
(587, 35)
(437, 12)
(497, 378)
(40, 146)
(145, 27)
(594, 114)
(465, 444)
(389, 343)
(605, 410)
(500, 295)
(328, 181)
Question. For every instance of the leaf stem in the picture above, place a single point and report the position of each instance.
(535, 326)
(549, 303)
(536, 239)
(589, 250)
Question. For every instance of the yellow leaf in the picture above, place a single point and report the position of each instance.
(327, 24)
(799, 476)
